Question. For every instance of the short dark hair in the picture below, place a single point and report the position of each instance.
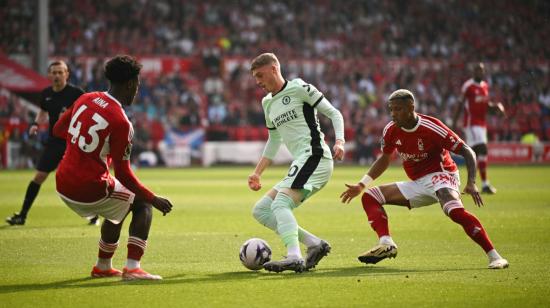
(122, 68)
(58, 62)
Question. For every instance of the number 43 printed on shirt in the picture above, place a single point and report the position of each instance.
(74, 130)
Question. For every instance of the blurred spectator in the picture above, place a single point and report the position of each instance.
(357, 52)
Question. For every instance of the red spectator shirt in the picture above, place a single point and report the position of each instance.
(425, 148)
(477, 102)
(96, 130)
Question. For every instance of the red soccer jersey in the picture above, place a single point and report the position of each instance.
(424, 149)
(477, 102)
(96, 129)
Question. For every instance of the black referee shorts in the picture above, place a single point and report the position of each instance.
(52, 155)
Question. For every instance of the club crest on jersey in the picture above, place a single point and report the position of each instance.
(420, 145)
(286, 100)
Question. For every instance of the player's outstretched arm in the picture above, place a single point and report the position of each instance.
(471, 188)
(41, 117)
(458, 111)
(377, 168)
(270, 150)
(162, 204)
(326, 108)
(254, 178)
(61, 127)
(498, 106)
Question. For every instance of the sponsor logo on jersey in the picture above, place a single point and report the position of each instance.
(285, 117)
(413, 157)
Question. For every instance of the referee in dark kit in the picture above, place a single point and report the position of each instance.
(54, 101)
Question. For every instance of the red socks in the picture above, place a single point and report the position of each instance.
(136, 248)
(106, 250)
(470, 223)
(372, 204)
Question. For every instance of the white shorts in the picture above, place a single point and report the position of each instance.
(114, 207)
(475, 135)
(421, 192)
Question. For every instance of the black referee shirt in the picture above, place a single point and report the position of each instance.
(56, 103)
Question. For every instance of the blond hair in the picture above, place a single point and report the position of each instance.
(264, 59)
(401, 94)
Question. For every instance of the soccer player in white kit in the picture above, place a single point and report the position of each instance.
(423, 143)
(290, 109)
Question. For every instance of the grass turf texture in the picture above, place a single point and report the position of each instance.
(47, 261)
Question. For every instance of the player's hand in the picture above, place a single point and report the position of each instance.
(254, 182)
(33, 130)
(472, 190)
(338, 150)
(352, 192)
(162, 204)
(501, 109)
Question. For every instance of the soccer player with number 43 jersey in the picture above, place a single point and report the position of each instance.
(97, 130)
(423, 143)
(290, 109)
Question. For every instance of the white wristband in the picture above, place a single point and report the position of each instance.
(366, 180)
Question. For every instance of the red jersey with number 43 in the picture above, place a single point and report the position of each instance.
(98, 130)
(425, 148)
(477, 102)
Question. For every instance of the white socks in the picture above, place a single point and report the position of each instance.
(493, 255)
(387, 240)
(104, 264)
(294, 252)
(132, 264)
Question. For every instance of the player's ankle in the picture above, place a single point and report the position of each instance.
(132, 264)
(493, 255)
(387, 240)
(104, 264)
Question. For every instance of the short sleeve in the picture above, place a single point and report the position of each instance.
(386, 144)
(465, 87)
(452, 141)
(309, 94)
(43, 101)
(120, 141)
(449, 140)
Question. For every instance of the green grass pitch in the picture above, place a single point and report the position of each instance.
(47, 261)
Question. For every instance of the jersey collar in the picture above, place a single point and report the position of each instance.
(284, 86)
(415, 127)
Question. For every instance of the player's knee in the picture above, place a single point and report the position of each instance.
(446, 195)
(480, 150)
(373, 194)
(40, 177)
(259, 211)
(453, 205)
(282, 201)
(262, 208)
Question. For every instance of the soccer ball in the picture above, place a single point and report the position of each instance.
(254, 253)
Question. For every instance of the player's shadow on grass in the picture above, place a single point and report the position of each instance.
(351, 272)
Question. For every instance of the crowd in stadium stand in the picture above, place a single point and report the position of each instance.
(366, 49)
